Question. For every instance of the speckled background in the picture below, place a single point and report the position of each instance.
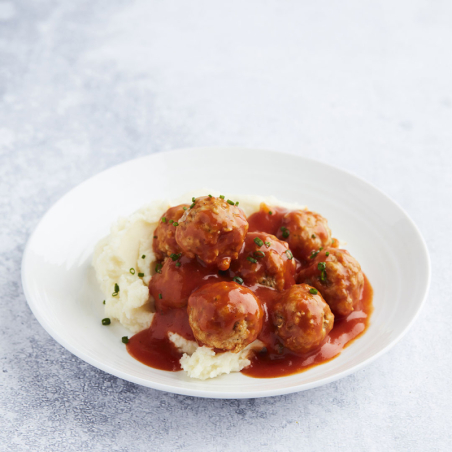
(87, 84)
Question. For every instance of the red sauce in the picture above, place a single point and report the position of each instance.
(263, 221)
(272, 364)
(153, 347)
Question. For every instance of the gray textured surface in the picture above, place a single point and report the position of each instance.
(88, 84)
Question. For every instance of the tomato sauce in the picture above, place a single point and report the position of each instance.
(153, 347)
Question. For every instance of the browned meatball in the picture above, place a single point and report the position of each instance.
(305, 232)
(265, 260)
(176, 280)
(339, 278)
(302, 318)
(213, 230)
(164, 243)
(225, 316)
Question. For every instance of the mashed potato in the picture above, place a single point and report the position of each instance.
(125, 258)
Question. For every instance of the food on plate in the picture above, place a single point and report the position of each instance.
(225, 316)
(305, 232)
(253, 285)
(265, 260)
(176, 279)
(164, 243)
(212, 229)
(302, 318)
(338, 277)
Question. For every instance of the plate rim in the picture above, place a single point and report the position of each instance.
(216, 394)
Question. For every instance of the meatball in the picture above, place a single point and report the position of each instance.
(164, 243)
(176, 280)
(302, 318)
(305, 232)
(265, 260)
(213, 230)
(225, 316)
(339, 278)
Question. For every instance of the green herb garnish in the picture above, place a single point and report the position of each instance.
(132, 271)
(313, 291)
(175, 257)
(289, 254)
(125, 339)
(259, 254)
(230, 202)
(158, 268)
(252, 260)
(258, 241)
(140, 275)
(268, 244)
(285, 232)
(160, 296)
(238, 280)
(106, 321)
(163, 219)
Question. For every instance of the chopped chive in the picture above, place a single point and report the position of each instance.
(193, 205)
(158, 268)
(252, 260)
(313, 236)
(237, 203)
(155, 236)
(238, 280)
(160, 296)
(163, 219)
(222, 196)
(289, 254)
(175, 257)
(258, 241)
(103, 302)
(268, 244)
(210, 196)
(171, 222)
(132, 271)
(175, 223)
(259, 254)
(270, 212)
(313, 291)
(106, 321)
(327, 253)
(322, 267)
(140, 275)
(143, 256)
(125, 339)
(114, 294)
(230, 202)
(178, 264)
(314, 254)
(285, 232)
(116, 288)
(185, 208)
(193, 199)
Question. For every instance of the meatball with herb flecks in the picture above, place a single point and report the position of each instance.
(302, 318)
(265, 260)
(305, 232)
(225, 316)
(338, 277)
(164, 243)
(213, 230)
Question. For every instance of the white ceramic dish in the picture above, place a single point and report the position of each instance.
(62, 292)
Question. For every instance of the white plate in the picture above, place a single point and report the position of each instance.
(62, 292)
